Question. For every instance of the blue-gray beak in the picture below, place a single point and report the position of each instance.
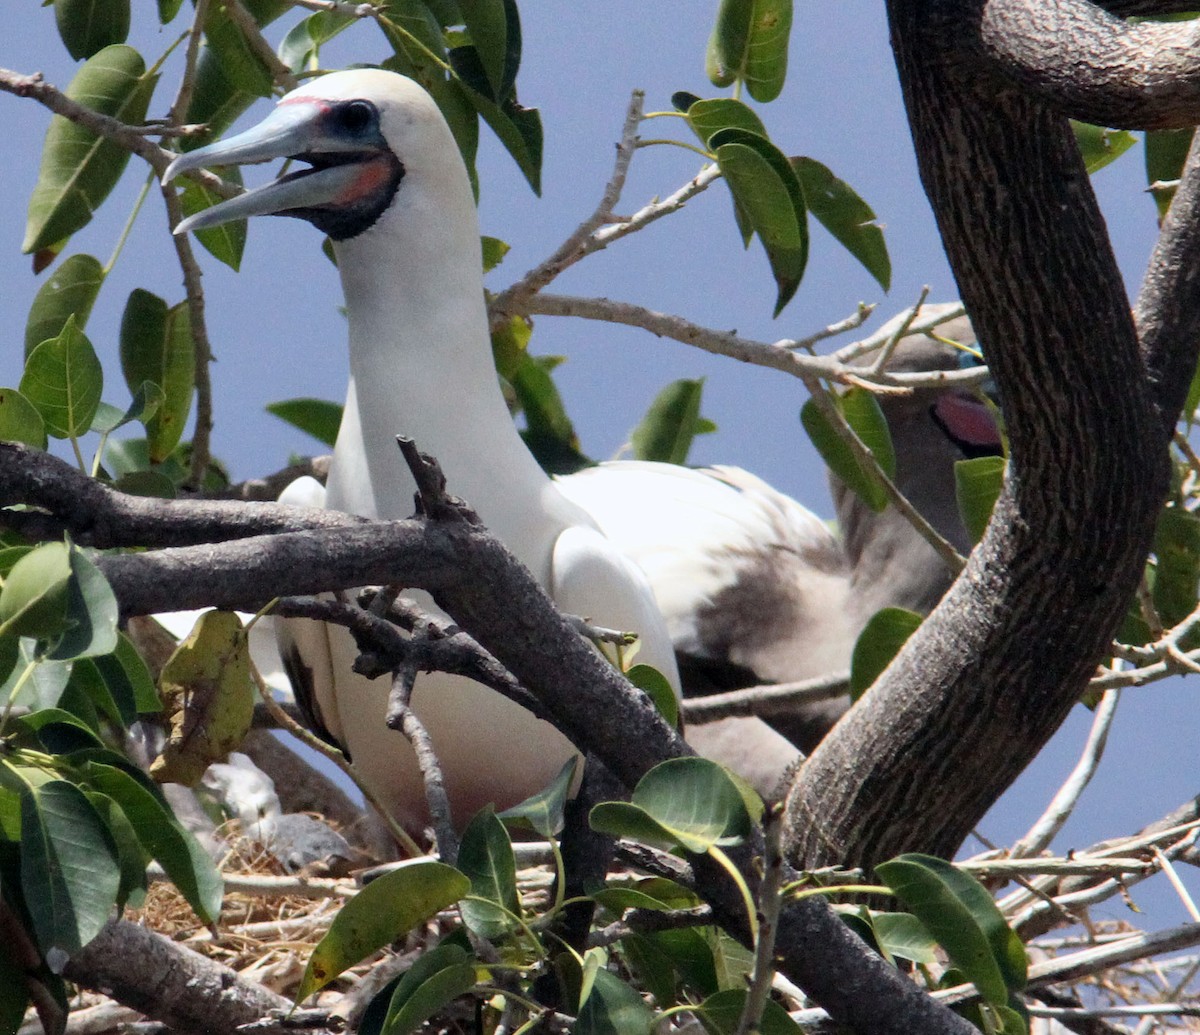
(344, 167)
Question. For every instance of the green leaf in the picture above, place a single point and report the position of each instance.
(226, 242)
(665, 433)
(684, 802)
(240, 62)
(386, 909)
(162, 836)
(709, 116)
(1099, 146)
(156, 346)
(494, 251)
(70, 873)
(1177, 572)
(749, 42)
(879, 642)
(71, 290)
(543, 812)
(144, 404)
(317, 417)
(87, 26)
(549, 433)
(861, 410)
(613, 1008)
(92, 613)
(79, 169)
(977, 485)
(1166, 152)
(651, 968)
(14, 993)
(903, 935)
(765, 189)
(20, 420)
(721, 1012)
(128, 679)
(519, 129)
(132, 859)
(655, 686)
(495, 31)
(657, 893)
(33, 601)
(690, 953)
(846, 216)
(960, 914)
(301, 47)
(209, 698)
(485, 856)
(63, 379)
(435, 979)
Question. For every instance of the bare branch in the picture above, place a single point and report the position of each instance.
(1063, 803)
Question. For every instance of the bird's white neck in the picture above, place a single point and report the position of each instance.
(421, 366)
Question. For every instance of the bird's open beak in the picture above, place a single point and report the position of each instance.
(342, 171)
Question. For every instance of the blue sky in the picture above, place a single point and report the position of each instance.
(277, 333)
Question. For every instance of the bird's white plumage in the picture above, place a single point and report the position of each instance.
(420, 365)
(699, 533)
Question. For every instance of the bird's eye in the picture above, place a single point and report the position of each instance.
(355, 116)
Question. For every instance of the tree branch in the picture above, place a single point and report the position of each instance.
(1089, 64)
(993, 671)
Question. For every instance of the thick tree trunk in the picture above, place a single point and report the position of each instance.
(995, 669)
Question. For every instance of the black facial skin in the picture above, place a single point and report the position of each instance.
(356, 121)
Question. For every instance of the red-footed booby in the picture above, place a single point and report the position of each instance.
(388, 185)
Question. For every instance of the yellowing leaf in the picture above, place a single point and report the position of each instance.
(209, 697)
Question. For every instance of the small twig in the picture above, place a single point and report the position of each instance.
(1064, 801)
(953, 560)
(1173, 877)
(350, 10)
(256, 884)
(770, 901)
(782, 355)
(768, 699)
(262, 50)
(187, 82)
(581, 241)
(598, 635)
(1066, 1013)
(400, 716)
(889, 346)
(286, 722)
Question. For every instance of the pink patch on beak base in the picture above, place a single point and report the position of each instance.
(372, 176)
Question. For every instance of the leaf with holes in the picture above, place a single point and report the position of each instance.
(209, 698)
(750, 42)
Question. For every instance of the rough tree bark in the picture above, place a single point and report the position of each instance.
(995, 669)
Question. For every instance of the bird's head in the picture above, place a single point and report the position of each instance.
(364, 133)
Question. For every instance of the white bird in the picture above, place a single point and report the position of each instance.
(754, 587)
(388, 185)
